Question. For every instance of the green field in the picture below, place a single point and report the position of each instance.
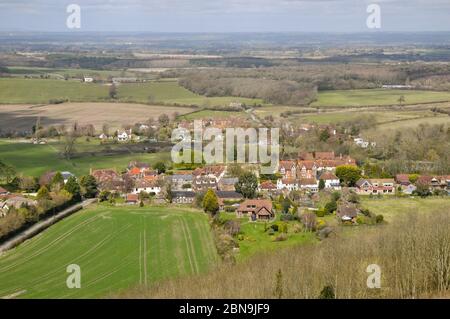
(116, 248)
(356, 98)
(34, 160)
(40, 91)
(391, 207)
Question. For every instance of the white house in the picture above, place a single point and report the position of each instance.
(88, 79)
(146, 186)
(66, 176)
(124, 136)
(287, 183)
(309, 184)
(331, 180)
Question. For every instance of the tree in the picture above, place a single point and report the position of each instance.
(422, 190)
(113, 92)
(321, 184)
(210, 202)
(160, 167)
(348, 174)
(89, 187)
(69, 143)
(324, 135)
(43, 194)
(57, 182)
(73, 188)
(330, 207)
(285, 204)
(401, 100)
(7, 172)
(247, 185)
(164, 120)
(327, 293)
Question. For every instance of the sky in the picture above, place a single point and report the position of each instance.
(225, 15)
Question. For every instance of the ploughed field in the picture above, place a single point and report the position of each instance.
(115, 247)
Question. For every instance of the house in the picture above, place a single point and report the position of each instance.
(287, 184)
(124, 80)
(66, 175)
(347, 212)
(132, 198)
(103, 136)
(307, 169)
(288, 169)
(108, 179)
(124, 136)
(256, 209)
(309, 184)
(88, 79)
(268, 188)
(3, 191)
(229, 195)
(183, 197)
(331, 180)
(227, 184)
(148, 185)
(375, 186)
(402, 179)
(201, 183)
(181, 181)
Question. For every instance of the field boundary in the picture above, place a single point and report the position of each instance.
(41, 226)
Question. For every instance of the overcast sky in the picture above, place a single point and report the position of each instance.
(225, 15)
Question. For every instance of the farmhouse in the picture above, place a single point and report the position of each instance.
(256, 209)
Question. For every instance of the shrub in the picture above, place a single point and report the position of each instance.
(287, 217)
(379, 219)
(281, 237)
(321, 212)
(274, 227)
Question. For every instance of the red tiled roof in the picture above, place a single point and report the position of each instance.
(328, 176)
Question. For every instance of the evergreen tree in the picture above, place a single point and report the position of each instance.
(210, 202)
(73, 188)
(89, 186)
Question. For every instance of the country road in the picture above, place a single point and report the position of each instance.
(40, 226)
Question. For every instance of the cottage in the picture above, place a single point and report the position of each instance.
(183, 197)
(88, 80)
(288, 169)
(331, 180)
(402, 179)
(287, 184)
(256, 209)
(147, 185)
(309, 184)
(347, 212)
(132, 198)
(124, 136)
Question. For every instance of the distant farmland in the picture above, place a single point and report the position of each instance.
(354, 98)
(41, 91)
(115, 247)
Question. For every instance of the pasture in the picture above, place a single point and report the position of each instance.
(359, 98)
(116, 248)
(34, 160)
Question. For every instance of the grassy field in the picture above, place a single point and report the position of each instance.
(115, 247)
(391, 207)
(356, 98)
(23, 117)
(34, 160)
(39, 91)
